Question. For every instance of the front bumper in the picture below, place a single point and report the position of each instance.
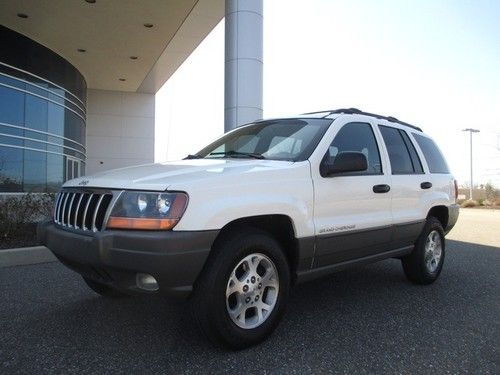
(114, 257)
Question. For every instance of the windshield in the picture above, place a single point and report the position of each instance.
(287, 139)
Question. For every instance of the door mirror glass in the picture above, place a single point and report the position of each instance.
(344, 162)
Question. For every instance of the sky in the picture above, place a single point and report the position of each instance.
(432, 63)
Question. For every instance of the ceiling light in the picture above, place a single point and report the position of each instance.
(81, 50)
(122, 79)
(22, 15)
(133, 57)
(148, 25)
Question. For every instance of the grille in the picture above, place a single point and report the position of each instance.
(82, 210)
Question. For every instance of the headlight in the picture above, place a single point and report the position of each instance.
(148, 211)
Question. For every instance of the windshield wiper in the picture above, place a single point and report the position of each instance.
(239, 154)
(193, 157)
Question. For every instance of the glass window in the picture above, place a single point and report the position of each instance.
(433, 156)
(55, 172)
(398, 152)
(357, 137)
(55, 116)
(11, 106)
(11, 169)
(415, 160)
(36, 113)
(287, 139)
(35, 171)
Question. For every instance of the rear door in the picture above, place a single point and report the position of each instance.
(410, 185)
(352, 211)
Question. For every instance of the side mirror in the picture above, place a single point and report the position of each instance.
(344, 162)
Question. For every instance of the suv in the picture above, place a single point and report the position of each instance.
(268, 205)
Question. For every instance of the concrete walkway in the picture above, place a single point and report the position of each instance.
(25, 255)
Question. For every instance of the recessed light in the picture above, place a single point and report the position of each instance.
(133, 57)
(122, 79)
(148, 25)
(81, 50)
(22, 15)
(90, 1)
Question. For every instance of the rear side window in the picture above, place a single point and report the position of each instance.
(433, 156)
(402, 154)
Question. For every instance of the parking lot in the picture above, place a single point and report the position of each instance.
(364, 320)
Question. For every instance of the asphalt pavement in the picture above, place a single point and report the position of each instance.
(364, 320)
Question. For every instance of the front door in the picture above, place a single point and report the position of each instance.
(352, 211)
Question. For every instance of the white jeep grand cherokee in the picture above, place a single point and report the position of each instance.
(268, 205)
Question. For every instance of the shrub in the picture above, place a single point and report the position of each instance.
(20, 212)
(469, 203)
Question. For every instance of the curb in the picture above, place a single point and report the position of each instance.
(25, 255)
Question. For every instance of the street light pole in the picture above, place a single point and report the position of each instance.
(470, 130)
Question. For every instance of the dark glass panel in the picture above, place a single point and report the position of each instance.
(11, 106)
(11, 169)
(35, 171)
(36, 113)
(399, 156)
(35, 145)
(55, 172)
(6, 129)
(55, 114)
(357, 136)
(24, 53)
(5, 139)
(432, 154)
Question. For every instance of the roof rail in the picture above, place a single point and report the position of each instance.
(355, 111)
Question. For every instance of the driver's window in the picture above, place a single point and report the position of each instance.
(357, 137)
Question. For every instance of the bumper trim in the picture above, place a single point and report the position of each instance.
(114, 257)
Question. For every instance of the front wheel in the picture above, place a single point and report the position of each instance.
(424, 264)
(241, 295)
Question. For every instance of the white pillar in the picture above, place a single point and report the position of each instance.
(243, 62)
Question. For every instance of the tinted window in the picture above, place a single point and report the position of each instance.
(417, 164)
(401, 162)
(433, 156)
(357, 137)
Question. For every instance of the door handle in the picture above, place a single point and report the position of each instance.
(381, 188)
(426, 185)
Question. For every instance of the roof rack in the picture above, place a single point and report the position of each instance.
(355, 111)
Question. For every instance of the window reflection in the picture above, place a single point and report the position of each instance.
(32, 131)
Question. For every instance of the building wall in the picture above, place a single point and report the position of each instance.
(42, 117)
(120, 129)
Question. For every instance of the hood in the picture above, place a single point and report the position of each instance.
(159, 176)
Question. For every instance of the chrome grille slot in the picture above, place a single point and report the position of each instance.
(80, 210)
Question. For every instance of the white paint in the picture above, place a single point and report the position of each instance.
(221, 191)
(120, 129)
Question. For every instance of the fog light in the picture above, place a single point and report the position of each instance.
(146, 282)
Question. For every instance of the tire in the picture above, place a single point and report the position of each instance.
(424, 264)
(103, 289)
(227, 311)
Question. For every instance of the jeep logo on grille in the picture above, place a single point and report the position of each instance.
(83, 182)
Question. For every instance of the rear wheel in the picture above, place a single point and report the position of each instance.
(103, 289)
(241, 295)
(425, 263)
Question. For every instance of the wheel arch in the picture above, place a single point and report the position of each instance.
(441, 213)
(279, 226)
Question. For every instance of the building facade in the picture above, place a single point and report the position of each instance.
(42, 117)
(78, 80)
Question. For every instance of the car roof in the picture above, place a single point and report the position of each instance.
(355, 111)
